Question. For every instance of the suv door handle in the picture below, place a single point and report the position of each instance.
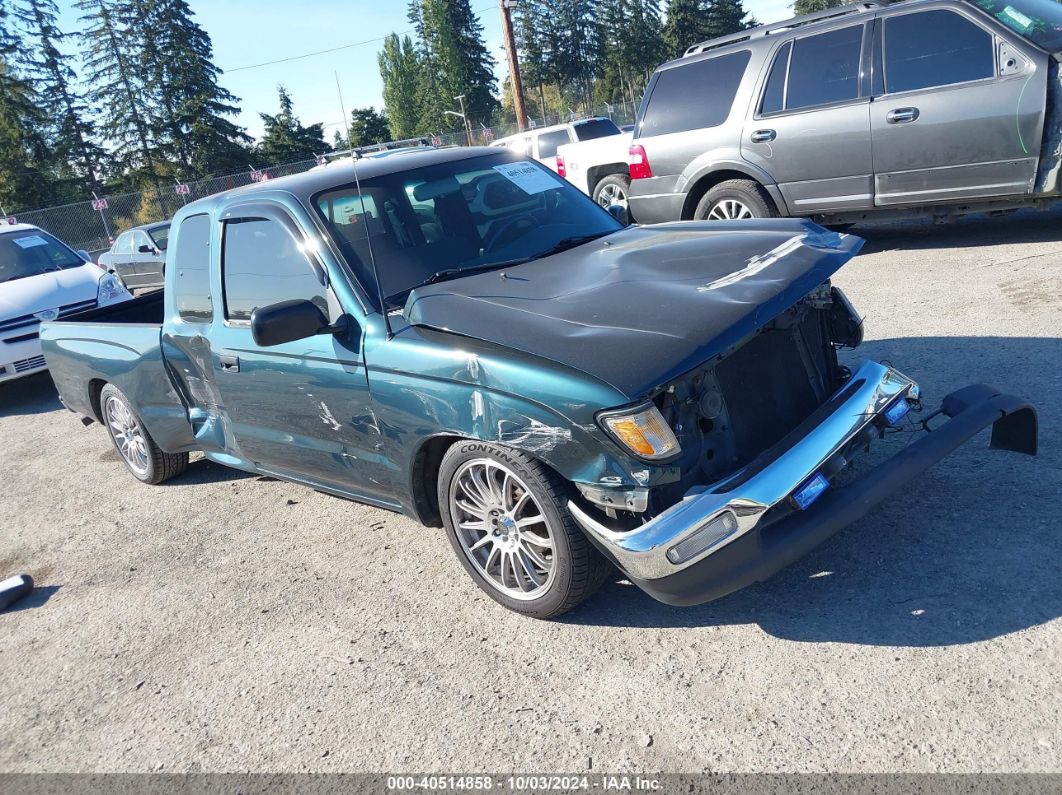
(229, 363)
(763, 136)
(901, 115)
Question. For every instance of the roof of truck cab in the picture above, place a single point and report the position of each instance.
(310, 183)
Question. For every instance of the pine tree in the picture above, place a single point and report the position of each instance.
(399, 69)
(195, 127)
(456, 63)
(632, 46)
(575, 59)
(531, 26)
(116, 90)
(74, 152)
(24, 180)
(690, 22)
(801, 7)
(285, 139)
(368, 127)
(723, 17)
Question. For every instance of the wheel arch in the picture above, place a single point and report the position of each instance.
(595, 174)
(706, 180)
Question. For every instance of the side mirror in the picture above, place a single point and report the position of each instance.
(145, 249)
(84, 255)
(620, 213)
(288, 321)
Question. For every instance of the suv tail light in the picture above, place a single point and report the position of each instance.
(561, 170)
(638, 163)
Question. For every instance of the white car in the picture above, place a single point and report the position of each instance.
(542, 143)
(42, 278)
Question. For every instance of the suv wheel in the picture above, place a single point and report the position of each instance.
(734, 200)
(507, 518)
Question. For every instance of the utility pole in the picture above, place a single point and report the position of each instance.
(516, 83)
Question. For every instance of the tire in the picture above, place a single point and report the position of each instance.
(613, 189)
(566, 567)
(146, 461)
(735, 199)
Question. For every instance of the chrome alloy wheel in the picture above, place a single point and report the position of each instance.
(127, 434)
(612, 194)
(729, 210)
(502, 529)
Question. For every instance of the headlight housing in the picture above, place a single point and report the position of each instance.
(642, 431)
(111, 290)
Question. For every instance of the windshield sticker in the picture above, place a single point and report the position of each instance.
(527, 177)
(1018, 17)
(31, 241)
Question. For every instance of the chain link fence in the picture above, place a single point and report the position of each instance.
(93, 224)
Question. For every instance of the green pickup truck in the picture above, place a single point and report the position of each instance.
(463, 336)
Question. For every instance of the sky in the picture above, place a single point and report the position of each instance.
(247, 33)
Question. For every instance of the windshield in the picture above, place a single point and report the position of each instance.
(1040, 21)
(161, 236)
(441, 220)
(595, 128)
(31, 253)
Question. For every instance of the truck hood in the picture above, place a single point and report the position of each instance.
(644, 305)
(49, 290)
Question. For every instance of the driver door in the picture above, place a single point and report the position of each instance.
(299, 409)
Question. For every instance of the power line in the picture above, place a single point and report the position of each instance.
(331, 49)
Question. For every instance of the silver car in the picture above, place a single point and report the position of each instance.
(923, 107)
(138, 255)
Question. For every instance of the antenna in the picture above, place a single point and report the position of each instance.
(368, 237)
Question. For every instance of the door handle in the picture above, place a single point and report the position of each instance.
(901, 115)
(229, 363)
(763, 136)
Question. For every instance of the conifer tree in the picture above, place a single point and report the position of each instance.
(400, 68)
(285, 139)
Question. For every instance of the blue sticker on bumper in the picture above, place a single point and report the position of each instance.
(897, 411)
(811, 491)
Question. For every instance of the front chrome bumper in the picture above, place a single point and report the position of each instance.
(816, 446)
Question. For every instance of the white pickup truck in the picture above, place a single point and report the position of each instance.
(598, 167)
(591, 154)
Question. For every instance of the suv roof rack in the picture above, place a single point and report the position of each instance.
(788, 24)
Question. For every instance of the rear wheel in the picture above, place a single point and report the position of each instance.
(141, 456)
(735, 200)
(612, 189)
(507, 519)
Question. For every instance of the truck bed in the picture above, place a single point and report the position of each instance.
(120, 345)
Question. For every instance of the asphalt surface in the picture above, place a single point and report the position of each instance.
(224, 622)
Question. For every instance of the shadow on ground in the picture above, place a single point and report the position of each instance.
(34, 394)
(966, 553)
(972, 231)
(35, 598)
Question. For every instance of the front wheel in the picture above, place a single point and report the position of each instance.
(735, 200)
(146, 460)
(507, 519)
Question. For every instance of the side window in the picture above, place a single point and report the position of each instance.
(141, 239)
(262, 265)
(694, 96)
(935, 48)
(124, 244)
(191, 263)
(549, 142)
(825, 68)
(774, 91)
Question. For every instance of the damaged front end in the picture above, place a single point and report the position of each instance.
(765, 429)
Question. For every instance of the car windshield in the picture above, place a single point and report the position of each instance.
(161, 236)
(1040, 21)
(595, 128)
(33, 252)
(438, 222)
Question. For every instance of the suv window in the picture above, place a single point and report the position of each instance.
(935, 48)
(262, 265)
(548, 143)
(191, 262)
(694, 96)
(824, 68)
(774, 90)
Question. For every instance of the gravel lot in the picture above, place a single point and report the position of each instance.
(225, 622)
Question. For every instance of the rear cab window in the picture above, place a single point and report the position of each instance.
(191, 265)
(549, 142)
(595, 128)
(693, 96)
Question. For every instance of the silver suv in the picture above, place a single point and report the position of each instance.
(921, 107)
